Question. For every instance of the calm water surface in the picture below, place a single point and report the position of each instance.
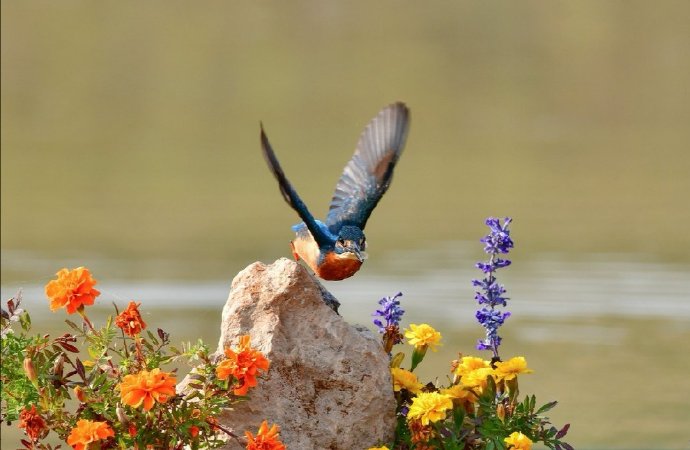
(436, 285)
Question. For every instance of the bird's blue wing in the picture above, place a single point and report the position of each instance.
(370, 171)
(290, 195)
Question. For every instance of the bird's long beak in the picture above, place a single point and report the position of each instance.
(361, 255)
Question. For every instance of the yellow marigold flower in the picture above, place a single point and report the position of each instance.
(423, 336)
(87, 432)
(518, 441)
(429, 407)
(404, 379)
(265, 439)
(130, 320)
(469, 363)
(243, 364)
(459, 393)
(379, 448)
(147, 388)
(72, 289)
(510, 369)
(476, 379)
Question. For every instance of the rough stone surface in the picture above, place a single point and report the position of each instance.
(329, 385)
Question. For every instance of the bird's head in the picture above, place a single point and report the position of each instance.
(351, 243)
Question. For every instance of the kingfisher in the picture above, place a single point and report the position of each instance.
(335, 248)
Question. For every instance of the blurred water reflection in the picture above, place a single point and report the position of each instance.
(436, 285)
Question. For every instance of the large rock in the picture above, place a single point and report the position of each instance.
(329, 385)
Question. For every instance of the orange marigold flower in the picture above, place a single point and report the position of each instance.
(72, 289)
(243, 364)
(87, 432)
(194, 431)
(130, 320)
(33, 424)
(213, 422)
(147, 388)
(265, 439)
(420, 433)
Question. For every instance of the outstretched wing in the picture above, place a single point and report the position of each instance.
(289, 193)
(370, 171)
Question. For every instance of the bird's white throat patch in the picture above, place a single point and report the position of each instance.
(351, 255)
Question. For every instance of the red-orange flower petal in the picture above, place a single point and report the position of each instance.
(33, 424)
(72, 289)
(146, 388)
(243, 364)
(130, 320)
(265, 439)
(87, 432)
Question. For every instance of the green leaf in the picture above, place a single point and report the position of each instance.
(152, 337)
(74, 326)
(197, 376)
(397, 360)
(546, 407)
(458, 418)
(25, 321)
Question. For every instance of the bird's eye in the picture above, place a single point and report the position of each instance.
(340, 243)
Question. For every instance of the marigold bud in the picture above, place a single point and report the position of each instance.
(79, 393)
(501, 411)
(29, 370)
(59, 365)
(121, 416)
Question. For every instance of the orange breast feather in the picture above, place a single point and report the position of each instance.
(335, 268)
(332, 267)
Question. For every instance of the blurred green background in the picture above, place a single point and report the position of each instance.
(130, 144)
